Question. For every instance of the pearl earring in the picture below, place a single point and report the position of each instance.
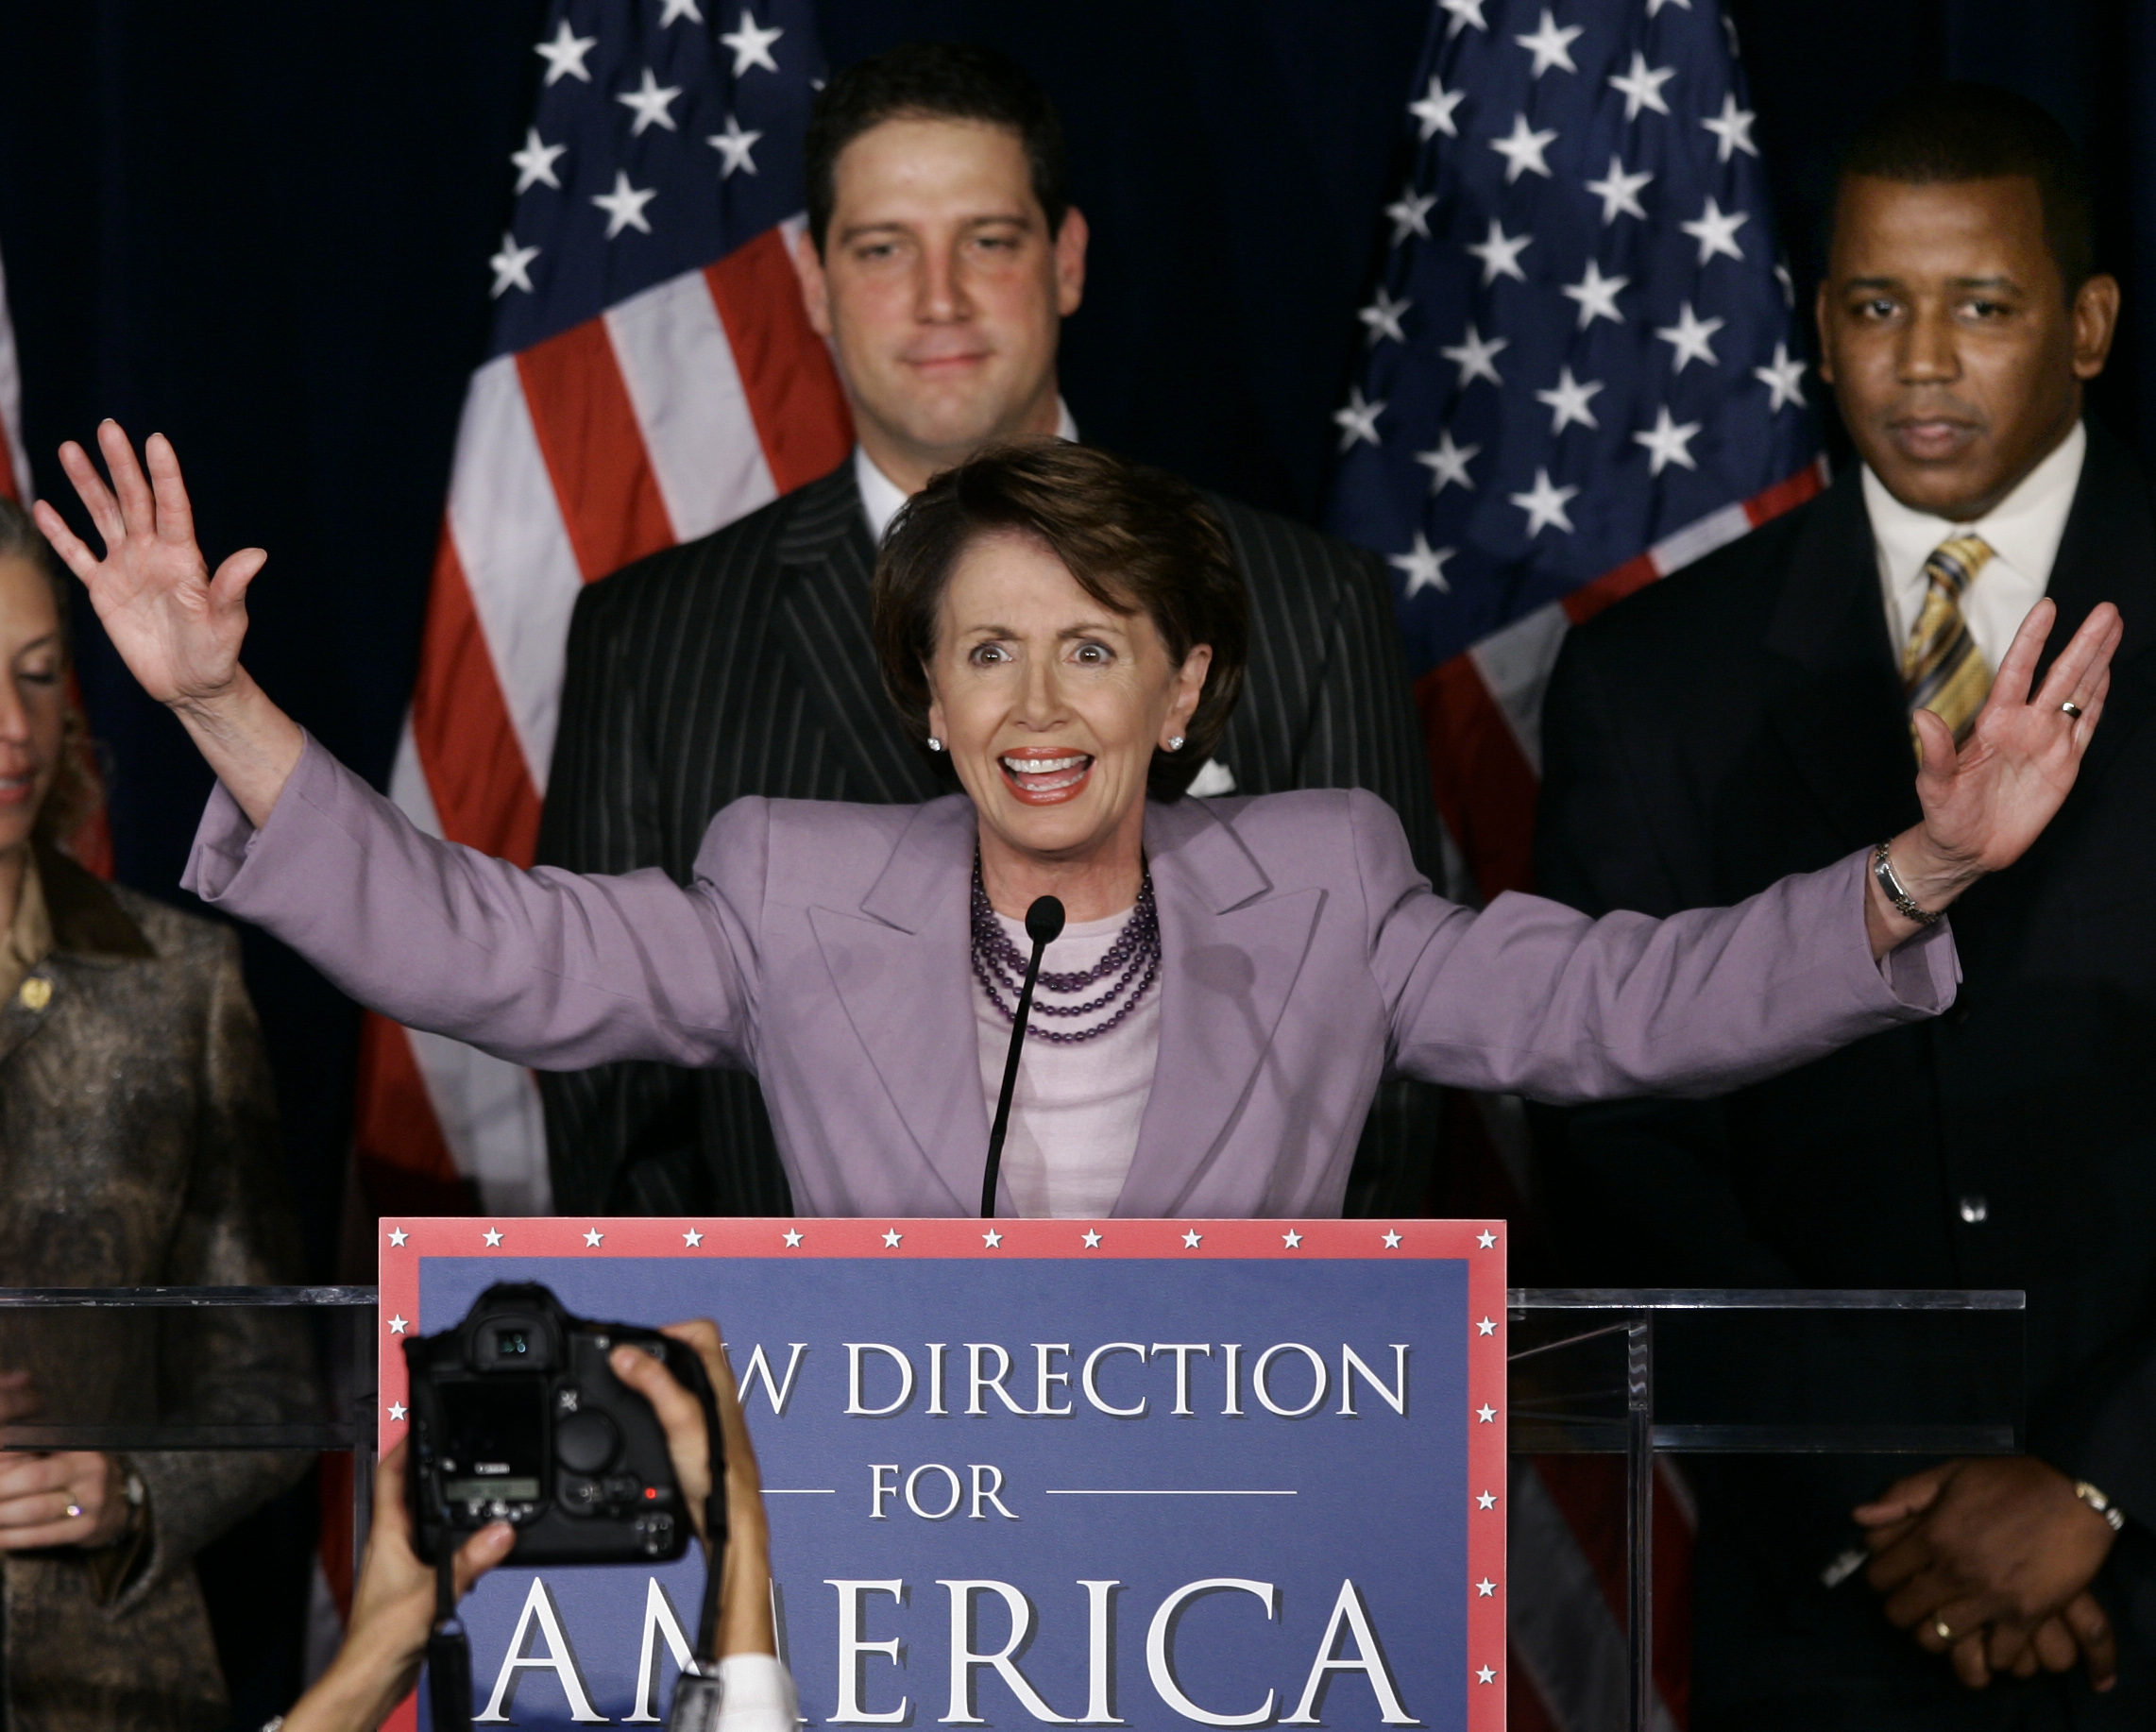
(1175, 742)
(935, 744)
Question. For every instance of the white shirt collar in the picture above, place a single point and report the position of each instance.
(881, 497)
(2023, 532)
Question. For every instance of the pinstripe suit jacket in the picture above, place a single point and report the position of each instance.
(741, 664)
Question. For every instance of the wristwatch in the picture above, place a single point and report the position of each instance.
(2101, 1505)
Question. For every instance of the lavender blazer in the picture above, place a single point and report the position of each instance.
(825, 948)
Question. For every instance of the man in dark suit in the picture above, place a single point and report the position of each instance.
(942, 255)
(1749, 717)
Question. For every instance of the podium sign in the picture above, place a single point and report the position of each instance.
(1141, 1473)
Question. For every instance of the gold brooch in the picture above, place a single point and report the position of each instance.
(36, 992)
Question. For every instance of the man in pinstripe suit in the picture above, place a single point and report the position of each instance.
(942, 255)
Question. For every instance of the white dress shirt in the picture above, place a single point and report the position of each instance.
(2022, 531)
(881, 497)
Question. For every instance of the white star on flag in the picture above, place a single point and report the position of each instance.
(1410, 215)
(1487, 1326)
(1691, 338)
(397, 1326)
(1423, 567)
(1522, 150)
(1655, 6)
(1733, 128)
(494, 1236)
(1486, 1499)
(991, 1239)
(1545, 504)
(1293, 1241)
(1486, 1240)
(1783, 376)
(536, 162)
(397, 1411)
(1191, 1240)
(624, 206)
(1392, 1241)
(1435, 110)
(649, 103)
(677, 10)
(1448, 463)
(1717, 232)
(733, 146)
(397, 1235)
(751, 46)
(1568, 400)
(1383, 316)
(1788, 287)
(792, 1237)
(1358, 420)
(512, 266)
(593, 1236)
(1620, 192)
(1500, 253)
(692, 1238)
(1476, 356)
(1667, 442)
(1092, 1240)
(1597, 295)
(1642, 87)
(891, 1238)
(1484, 1676)
(1463, 13)
(1486, 1588)
(1487, 1415)
(564, 56)
(1549, 46)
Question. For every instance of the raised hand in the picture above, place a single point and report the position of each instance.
(177, 628)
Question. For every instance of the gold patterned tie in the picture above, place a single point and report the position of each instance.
(1941, 668)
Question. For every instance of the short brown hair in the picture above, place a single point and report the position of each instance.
(1136, 539)
(77, 791)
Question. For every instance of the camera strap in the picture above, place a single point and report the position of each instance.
(448, 1650)
(697, 1695)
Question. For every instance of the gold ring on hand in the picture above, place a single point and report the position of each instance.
(2072, 708)
(1939, 1629)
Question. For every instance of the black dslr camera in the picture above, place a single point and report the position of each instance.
(516, 1416)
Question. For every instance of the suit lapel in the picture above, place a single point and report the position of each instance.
(901, 967)
(2107, 553)
(1231, 951)
(821, 615)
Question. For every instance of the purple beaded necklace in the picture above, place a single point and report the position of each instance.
(999, 965)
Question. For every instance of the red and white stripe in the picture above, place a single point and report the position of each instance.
(14, 459)
(1482, 711)
(670, 415)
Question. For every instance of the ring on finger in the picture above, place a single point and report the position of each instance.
(74, 1510)
(2072, 708)
(1940, 1629)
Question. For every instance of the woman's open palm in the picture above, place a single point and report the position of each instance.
(177, 628)
(1985, 803)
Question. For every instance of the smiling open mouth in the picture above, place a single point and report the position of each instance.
(1044, 775)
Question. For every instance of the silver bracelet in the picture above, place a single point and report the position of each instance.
(2101, 1505)
(1904, 905)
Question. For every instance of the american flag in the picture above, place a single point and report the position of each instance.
(1583, 369)
(14, 461)
(651, 378)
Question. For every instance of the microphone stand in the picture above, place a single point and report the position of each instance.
(1043, 924)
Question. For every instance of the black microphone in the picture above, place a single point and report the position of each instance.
(1043, 922)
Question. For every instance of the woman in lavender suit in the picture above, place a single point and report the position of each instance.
(1067, 634)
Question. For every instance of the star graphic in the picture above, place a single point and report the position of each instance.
(1464, 12)
(1655, 6)
(1568, 400)
(1500, 253)
(751, 46)
(1549, 46)
(792, 1237)
(397, 1326)
(593, 1236)
(1597, 295)
(1358, 421)
(1190, 1240)
(494, 1236)
(1642, 87)
(1487, 1415)
(1486, 1326)
(536, 162)
(1732, 128)
(1620, 192)
(1487, 1500)
(1448, 463)
(649, 103)
(1667, 442)
(1435, 110)
(1486, 1240)
(1486, 1589)
(1424, 567)
(991, 1239)
(678, 9)
(624, 206)
(1783, 376)
(1383, 316)
(397, 1235)
(397, 1411)
(1691, 338)
(1545, 504)
(512, 266)
(1392, 1241)
(733, 145)
(564, 56)
(692, 1238)
(1476, 356)
(1522, 149)
(1716, 233)
(1092, 1240)
(1484, 1676)
(891, 1238)
(1293, 1240)
(1410, 215)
